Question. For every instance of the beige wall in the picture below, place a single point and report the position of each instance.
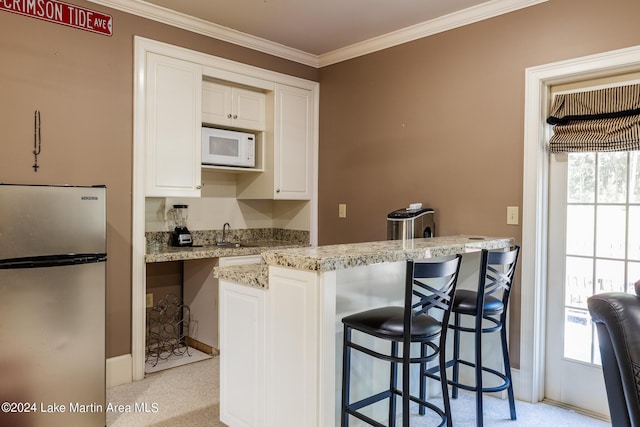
(83, 85)
(440, 121)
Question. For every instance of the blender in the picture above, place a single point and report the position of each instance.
(181, 235)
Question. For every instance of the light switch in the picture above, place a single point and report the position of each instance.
(512, 215)
(342, 210)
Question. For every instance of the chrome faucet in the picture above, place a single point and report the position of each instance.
(226, 229)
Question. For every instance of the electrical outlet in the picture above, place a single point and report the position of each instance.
(149, 300)
(512, 215)
(342, 210)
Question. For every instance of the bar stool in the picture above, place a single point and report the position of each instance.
(428, 285)
(489, 302)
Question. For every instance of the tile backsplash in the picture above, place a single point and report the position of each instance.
(211, 237)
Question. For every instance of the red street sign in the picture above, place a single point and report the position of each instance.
(61, 13)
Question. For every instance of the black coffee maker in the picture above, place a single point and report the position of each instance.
(181, 235)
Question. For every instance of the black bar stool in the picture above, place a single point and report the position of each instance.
(489, 302)
(428, 285)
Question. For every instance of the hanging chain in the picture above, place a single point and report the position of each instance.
(37, 139)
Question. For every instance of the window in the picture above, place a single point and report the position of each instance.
(603, 239)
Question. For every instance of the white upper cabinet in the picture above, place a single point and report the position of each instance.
(172, 127)
(183, 90)
(293, 148)
(289, 155)
(231, 106)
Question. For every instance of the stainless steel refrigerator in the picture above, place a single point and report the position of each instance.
(52, 306)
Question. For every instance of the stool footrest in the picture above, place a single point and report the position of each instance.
(370, 400)
(427, 357)
(353, 408)
(432, 373)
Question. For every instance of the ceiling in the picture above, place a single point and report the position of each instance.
(318, 32)
(316, 26)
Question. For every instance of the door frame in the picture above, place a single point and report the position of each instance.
(538, 81)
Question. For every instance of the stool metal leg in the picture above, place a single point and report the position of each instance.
(406, 374)
(393, 385)
(445, 390)
(478, 371)
(507, 370)
(423, 380)
(456, 356)
(346, 373)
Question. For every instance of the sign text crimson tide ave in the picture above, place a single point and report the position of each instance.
(62, 13)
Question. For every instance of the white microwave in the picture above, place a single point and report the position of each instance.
(222, 147)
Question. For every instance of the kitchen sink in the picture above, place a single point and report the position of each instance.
(236, 245)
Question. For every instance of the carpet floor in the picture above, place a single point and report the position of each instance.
(189, 396)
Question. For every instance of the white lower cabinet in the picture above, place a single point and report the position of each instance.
(293, 349)
(269, 352)
(242, 355)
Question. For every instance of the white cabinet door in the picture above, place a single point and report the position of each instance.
(231, 106)
(294, 344)
(248, 109)
(242, 355)
(173, 111)
(216, 104)
(293, 147)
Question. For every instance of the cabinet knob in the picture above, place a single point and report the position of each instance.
(228, 116)
(199, 187)
(277, 190)
(235, 116)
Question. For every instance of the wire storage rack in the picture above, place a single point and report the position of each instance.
(167, 325)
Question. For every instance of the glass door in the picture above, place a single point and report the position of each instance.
(594, 247)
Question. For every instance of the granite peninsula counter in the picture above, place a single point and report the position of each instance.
(281, 329)
(337, 257)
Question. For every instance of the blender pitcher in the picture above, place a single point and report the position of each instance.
(181, 235)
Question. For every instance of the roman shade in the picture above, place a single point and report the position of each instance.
(598, 120)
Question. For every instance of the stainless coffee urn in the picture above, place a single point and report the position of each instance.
(413, 222)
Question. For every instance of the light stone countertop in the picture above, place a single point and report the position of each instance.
(164, 253)
(254, 275)
(336, 257)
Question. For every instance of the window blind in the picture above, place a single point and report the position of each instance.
(598, 120)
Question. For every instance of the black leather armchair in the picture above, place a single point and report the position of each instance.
(617, 319)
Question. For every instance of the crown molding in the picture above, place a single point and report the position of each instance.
(209, 29)
(448, 22)
(444, 23)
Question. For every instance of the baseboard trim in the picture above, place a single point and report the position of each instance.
(603, 417)
(200, 346)
(119, 370)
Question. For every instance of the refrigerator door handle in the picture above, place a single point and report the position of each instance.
(51, 260)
